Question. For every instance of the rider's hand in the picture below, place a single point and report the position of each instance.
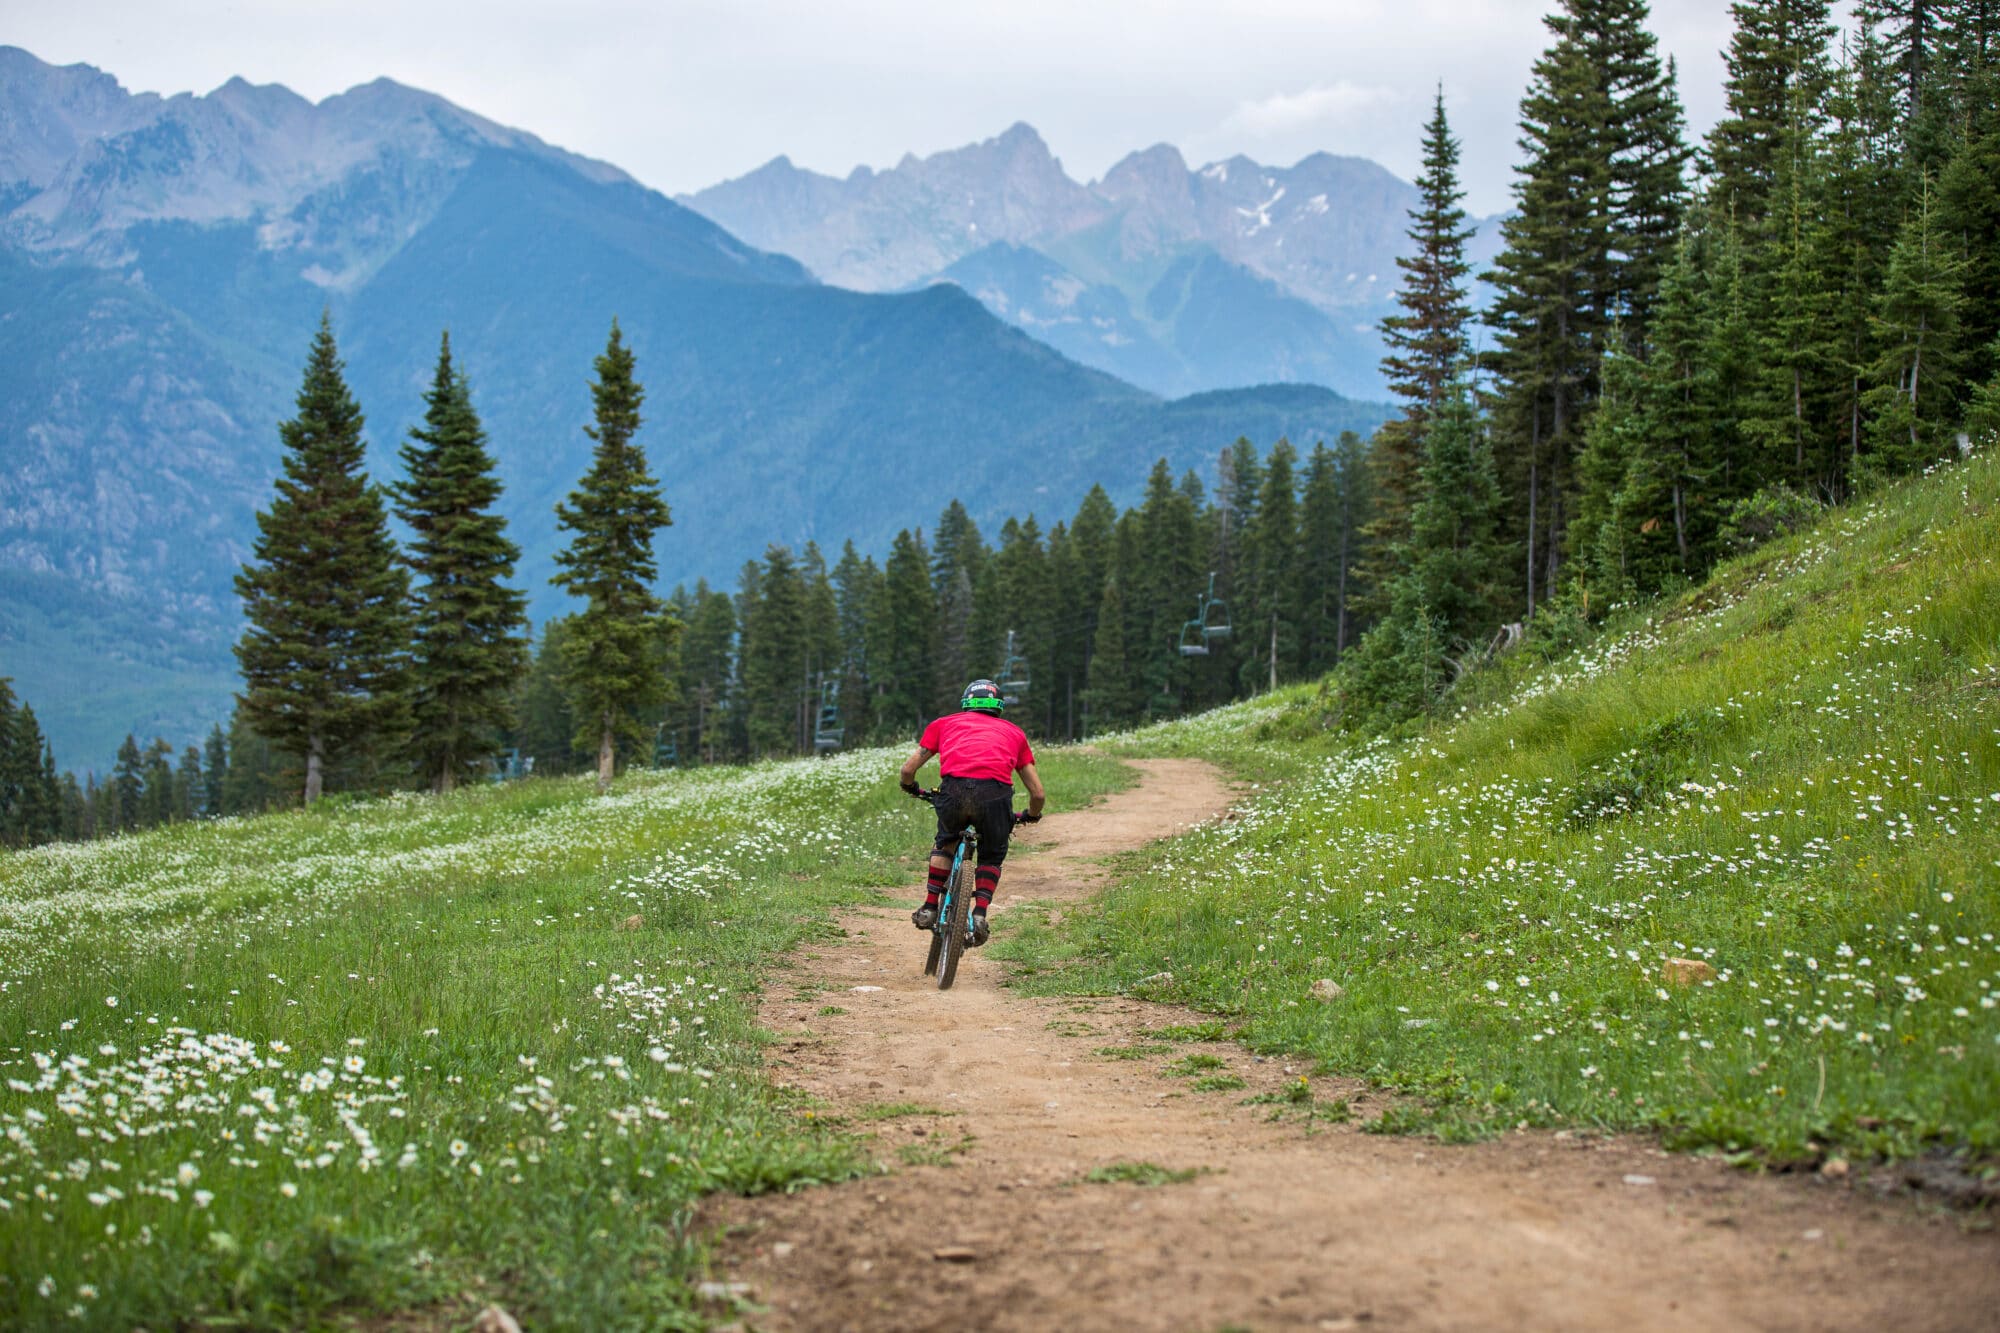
(1027, 817)
(910, 786)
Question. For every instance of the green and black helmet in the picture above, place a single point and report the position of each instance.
(983, 695)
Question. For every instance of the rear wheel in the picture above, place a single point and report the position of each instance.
(953, 939)
(937, 947)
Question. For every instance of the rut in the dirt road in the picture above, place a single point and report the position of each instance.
(995, 1109)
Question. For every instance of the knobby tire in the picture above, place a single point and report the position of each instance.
(954, 928)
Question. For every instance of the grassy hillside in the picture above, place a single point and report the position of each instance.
(1791, 775)
(385, 1054)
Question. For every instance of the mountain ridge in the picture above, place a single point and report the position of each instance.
(1312, 248)
(145, 360)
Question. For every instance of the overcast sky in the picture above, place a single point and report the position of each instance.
(683, 93)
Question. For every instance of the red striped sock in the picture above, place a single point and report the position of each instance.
(985, 880)
(935, 888)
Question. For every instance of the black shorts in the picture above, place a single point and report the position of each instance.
(983, 803)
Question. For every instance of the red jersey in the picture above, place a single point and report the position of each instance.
(977, 745)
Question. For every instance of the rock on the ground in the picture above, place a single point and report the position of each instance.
(493, 1319)
(1686, 971)
(632, 922)
(1326, 988)
(955, 1254)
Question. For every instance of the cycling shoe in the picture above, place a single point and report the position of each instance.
(924, 917)
(980, 933)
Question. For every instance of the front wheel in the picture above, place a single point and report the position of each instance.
(953, 938)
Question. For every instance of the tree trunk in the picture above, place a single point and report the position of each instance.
(315, 759)
(607, 756)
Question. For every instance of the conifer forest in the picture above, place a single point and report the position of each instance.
(1692, 347)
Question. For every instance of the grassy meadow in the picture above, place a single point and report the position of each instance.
(320, 1066)
(1790, 774)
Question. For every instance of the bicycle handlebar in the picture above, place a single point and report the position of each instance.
(931, 797)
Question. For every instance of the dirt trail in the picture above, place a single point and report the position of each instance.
(1290, 1225)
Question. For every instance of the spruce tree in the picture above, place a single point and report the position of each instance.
(544, 725)
(1613, 440)
(1270, 614)
(127, 786)
(1552, 278)
(1645, 145)
(188, 785)
(214, 772)
(706, 672)
(613, 648)
(1668, 528)
(1316, 563)
(776, 655)
(1455, 538)
(1426, 340)
(1110, 695)
(902, 641)
(470, 646)
(324, 595)
(1968, 220)
(1914, 404)
(1776, 64)
(1982, 409)
(857, 586)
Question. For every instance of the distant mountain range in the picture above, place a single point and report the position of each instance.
(164, 260)
(1176, 279)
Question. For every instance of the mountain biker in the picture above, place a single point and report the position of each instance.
(978, 751)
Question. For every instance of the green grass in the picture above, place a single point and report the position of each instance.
(1144, 1051)
(328, 1065)
(1791, 773)
(1141, 1173)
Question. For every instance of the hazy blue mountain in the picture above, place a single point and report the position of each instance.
(159, 286)
(1279, 274)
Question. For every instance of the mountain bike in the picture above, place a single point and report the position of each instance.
(952, 933)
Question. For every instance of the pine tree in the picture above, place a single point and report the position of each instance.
(1914, 403)
(1646, 140)
(1455, 541)
(1317, 562)
(613, 648)
(1796, 370)
(1982, 410)
(857, 586)
(955, 546)
(157, 799)
(128, 786)
(775, 654)
(214, 772)
(1553, 278)
(323, 657)
(1777, 64)
(1163, 589)
(257, 772)
(1272, 610)
(1426, 341)
(469, 643)
(544, 725)
(706, 672)
(1667, 529)
(1613, 440)
(902, 642)
(1968, 220)
(188, 785)
(1110, 695)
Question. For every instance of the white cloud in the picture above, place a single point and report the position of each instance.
(1322, 107)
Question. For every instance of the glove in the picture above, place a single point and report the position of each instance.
(1027, 817)
(910, 786)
